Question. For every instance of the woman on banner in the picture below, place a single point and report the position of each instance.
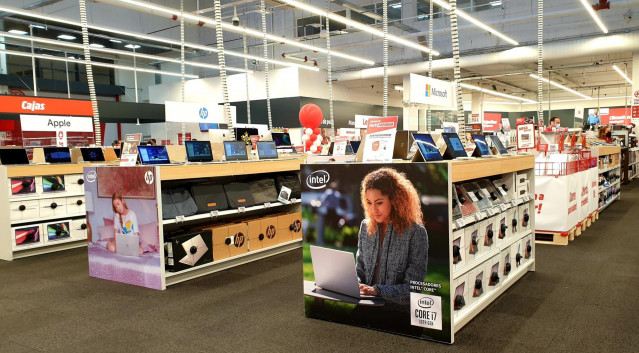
(392, 247)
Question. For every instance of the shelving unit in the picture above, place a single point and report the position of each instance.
(104, 264)
(611, 155)
(30, 209)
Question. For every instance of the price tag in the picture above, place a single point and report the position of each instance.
(179, 219)
(503, 207)
(460, 223)
(514, 202)
(215, 213)
(241, 209)
(293, 200)
(267, 205)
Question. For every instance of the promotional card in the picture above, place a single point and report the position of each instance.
(377, 247)
(380, 139)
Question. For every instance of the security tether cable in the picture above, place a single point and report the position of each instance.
(540, 67)
(385, 54)
(246, 75)
(182, 70)
(329, 68)
(457, 71)
(87, 59)
(222, 63)
(265, 43)
(430, 59)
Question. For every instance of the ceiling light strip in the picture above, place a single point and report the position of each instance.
(594, 16)
(499, 94)
(358, 25)
(94, 63)
(622, 74)
(560, 86)
(461, 13)
(147, 37)
(238, 29)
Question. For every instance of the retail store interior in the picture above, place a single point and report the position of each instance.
(320, 175)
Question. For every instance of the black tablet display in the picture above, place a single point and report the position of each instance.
(57, 155)
(454, 146)
(10, 156)
(482, 146)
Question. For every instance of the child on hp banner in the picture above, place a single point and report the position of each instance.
(124, 221)
(392, 246)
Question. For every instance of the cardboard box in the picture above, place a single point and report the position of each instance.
(229, 240)
(56, 231)
(290, 226)
(263, 233)
(26, 236)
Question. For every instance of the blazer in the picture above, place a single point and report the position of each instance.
(404, 258)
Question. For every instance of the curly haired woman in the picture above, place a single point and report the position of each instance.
(393, 243)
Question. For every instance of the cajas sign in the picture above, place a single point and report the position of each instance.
(46, 106)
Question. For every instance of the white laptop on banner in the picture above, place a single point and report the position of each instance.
(335, 271)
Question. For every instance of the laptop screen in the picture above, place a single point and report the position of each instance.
(245, 133)
(154, 155)
(454, 145)
(497, 142)
(118, 152)
(266, 150)
(427, 147)
(235, 151)
(482, 146)
(92, 154)
(355, 145)
(13, 156)
(198, 151)
(57, 155)
(281, 139)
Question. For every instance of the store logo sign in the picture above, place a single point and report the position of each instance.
(318, 179)
(32, 106)
(427, 90)
(425, 303)
(270, 231)
(204, 113)
(239, 240)
(297, 226)
(92, 176)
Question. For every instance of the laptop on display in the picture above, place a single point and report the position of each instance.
(92, 154)
(198, 151)
(498, 145)
(9, 156)
(266, 150)
(454, 146)
(283, 141)
(481, 149)
(235, 151)
(153, 155)
(427, 148)
(57, 154)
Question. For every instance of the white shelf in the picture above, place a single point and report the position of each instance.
(52, 246)
(601, 171)
(488, 254)
(220, 265)
(608, 203)
(228, 212)
(473, 218)
(470, 312)
(44, 219)
(53, 195)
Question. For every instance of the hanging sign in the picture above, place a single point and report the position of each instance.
(491, 121)
(474, 119)
(179, 112)
(427, 90)
(44, 106)
(380, 139)
(56, 123)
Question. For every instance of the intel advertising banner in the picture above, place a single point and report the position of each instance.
(376, 247)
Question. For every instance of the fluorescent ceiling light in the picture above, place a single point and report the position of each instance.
(132, 46)
(359, 25)
(93, 63)
(622, 74)
(115, 41)
(461, 13)
(39, 27)
(396, 5)
(399, 88)
(495, 3)
(66, 37)
(494, 93)
(244, 30)
(172, 42)
(17, 31)
(96, 45)
(594, 16)
(117, 52)
(560, 86)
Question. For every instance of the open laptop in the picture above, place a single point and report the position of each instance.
(283, 141)
(9, 156)
(92, 154)
(266, 150)
(57, 154)
(427, 149)
(198, 151)
(404, 146)
(153, 155)
(499, 147)
(127, 245)
(481, 149)
(235, 151)
(454, 146)
(335, 271)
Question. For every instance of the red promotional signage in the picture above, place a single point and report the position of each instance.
(635, 111)
(491, 121)
(616, 116)
(376, 125)
(44, 106)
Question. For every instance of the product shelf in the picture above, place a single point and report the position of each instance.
(43, 219)
(608, 203)
(486, 167)
(55, 246)
(229, 212)
(601, 171)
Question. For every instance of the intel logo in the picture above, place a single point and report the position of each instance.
(91, 176)
(426, 303)
(318, 179)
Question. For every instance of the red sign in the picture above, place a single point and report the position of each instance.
(186, 137)
(635, 111)
(254, 140)
(44, 106)
(616, 116)
(381, 124)
(491, 121)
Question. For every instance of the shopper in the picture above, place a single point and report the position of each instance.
(593, 118)
(393, 243)
(152, 142)
(605, 133)
(124, 220)
(555, 123)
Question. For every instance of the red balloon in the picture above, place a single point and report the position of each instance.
(317, 131)
(312, 137)
(311, 116)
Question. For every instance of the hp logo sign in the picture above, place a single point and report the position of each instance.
(204, 113)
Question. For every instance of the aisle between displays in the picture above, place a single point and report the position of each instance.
(441, 267)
